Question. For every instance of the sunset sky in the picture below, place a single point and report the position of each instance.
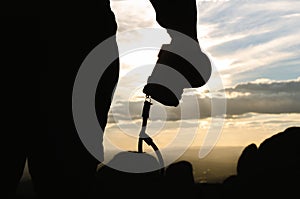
(254, 46)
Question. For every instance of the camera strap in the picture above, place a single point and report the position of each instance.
(145, 137)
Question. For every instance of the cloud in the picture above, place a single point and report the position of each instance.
(251, 37)
(265, 97)
(267, 86)
(260, 96)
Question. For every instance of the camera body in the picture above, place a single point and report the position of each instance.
(173, 73)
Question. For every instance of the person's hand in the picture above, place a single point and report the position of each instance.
(179, 15)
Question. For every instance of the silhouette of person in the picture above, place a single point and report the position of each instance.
(21, 55)
(71, 37)
(59, 164)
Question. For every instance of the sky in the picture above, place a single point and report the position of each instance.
(254, 48)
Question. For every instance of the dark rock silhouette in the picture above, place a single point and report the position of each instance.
(180, 180)
(235, 186)
(182, 171)
(279, 163)
(177, 182)
(247, 163)
(114, 183)
(280, 151)
(230, 187)
(269, 171)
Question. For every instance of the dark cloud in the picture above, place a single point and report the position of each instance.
(264, 97)
(272, 97)
(266, 86)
